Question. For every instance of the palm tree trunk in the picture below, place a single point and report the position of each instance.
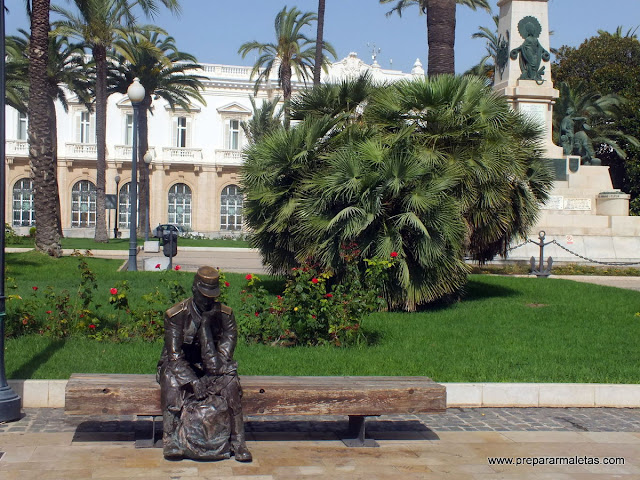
(285, 79)
(100, 57)
(54, 145)
(441, 35)
(317, 68)
(143, 168)
(41, 151)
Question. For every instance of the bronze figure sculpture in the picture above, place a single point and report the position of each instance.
(577, 143)
(531, 52)
(201, 393)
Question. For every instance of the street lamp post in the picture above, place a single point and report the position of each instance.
(136, 95)
(115, 227)
(148, 157)
(9, 400)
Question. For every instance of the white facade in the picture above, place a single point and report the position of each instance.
(196, 153)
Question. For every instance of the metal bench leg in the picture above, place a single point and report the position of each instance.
(357, 433)
(152, 442)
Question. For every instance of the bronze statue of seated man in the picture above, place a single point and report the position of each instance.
(201, 393)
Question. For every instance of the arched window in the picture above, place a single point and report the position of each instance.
(180, 205)
(124, 206)
(83, 204)
(23, 212)
(231, 208)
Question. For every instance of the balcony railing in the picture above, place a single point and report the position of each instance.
(124, 152)
(17, 147)
(177, 154)
(82, 150)
(229, 157)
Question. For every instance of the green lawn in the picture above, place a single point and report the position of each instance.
(505, 330)
(123, 243)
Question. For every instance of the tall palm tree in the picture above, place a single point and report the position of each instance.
(66, 67)
(164, 72)
(318, 62)
(292, 52)
(99, 23)
(441, 28)
(41, 143)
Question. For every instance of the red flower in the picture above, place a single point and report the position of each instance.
(92, 326)
(158, 266)
(313, 316)
(82, 315)
(114, 291)
(49, 312)
(226, 284)
(257, 314)
(248, 277)
(25, 321)
(177, 267)
(329, 295)
(34, 288)
(394, 254)
(279, 297)
(314, 280)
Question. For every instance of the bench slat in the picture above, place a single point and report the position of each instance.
(89, 394)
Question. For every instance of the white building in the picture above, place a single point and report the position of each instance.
(196, 154)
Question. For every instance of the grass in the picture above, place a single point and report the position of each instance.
(505, 330)
(123, 243)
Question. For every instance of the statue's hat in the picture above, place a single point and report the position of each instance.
(207, 281)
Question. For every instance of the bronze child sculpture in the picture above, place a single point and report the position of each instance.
(201, 394)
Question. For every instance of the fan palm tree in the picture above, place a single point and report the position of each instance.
(99, 23)
(425, 168)
(164, 72)
(293, 52)
(66, 67)
(441, 28)
(265, 119)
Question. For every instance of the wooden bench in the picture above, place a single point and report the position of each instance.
(356, 397)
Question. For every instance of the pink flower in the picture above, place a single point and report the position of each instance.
(314, 280)
(226, 284)
(34, 288)
(114, 291)
(92, 326)
(329, 295)
(177, 267)
(158, 266)
(248, 277)
(48, 312)
(394, 254)
(25, 321)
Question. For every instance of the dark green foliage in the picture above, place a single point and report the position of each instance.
(425, 168)
(610, 64)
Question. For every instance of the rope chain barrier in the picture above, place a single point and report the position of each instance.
(591, 260)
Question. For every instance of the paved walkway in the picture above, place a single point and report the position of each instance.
(46, 445)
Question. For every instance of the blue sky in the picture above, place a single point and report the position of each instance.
(213, 30)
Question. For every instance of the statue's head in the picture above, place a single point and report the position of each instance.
(571, 111)
(206, 287)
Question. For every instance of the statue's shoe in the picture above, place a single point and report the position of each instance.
(172, 452)
(242, 453)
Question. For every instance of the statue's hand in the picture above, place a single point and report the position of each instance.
(199, 389)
